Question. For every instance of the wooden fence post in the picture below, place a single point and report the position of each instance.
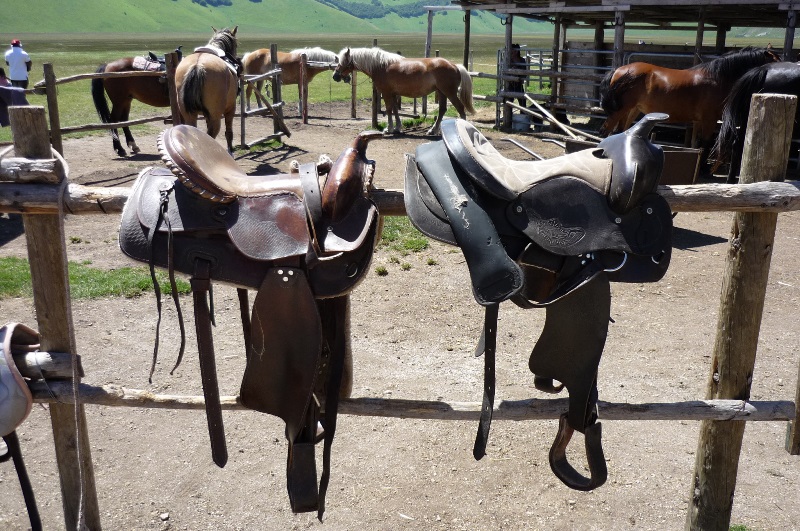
(354, 94)
(276, 85)
(767, 142)
(48, 262)
(52, 109)
(303, 87)
(376, 97)
(172, 61)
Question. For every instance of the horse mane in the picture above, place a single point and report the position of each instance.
(731, 65)
(225, 40)
(370, 59)
(317, 54)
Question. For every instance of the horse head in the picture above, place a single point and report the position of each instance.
(225, 39)
(344, 66)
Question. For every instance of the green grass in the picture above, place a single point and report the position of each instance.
(85, 282)
(399, 235)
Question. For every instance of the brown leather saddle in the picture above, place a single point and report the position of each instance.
(15, 405)
(550, 234)
(301, 244)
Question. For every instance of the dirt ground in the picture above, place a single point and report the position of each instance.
(413, 332)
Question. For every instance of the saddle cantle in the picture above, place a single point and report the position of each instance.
(15, 405)
(303, 246)
(550, 234)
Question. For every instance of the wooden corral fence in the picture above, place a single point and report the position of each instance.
(756, 205)
(50, 82)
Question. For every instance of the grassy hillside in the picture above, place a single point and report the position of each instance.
(264, 17)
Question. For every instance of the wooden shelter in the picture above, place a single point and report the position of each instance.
(576, 68)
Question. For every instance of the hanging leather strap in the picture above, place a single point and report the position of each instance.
(14, 451)
(201, 284)
(488, 343)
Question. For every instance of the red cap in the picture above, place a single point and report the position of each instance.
(15, 42)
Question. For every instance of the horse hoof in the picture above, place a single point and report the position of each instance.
(122, 153)
(135, 149)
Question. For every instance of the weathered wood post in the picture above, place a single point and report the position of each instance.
(277, 80)
(744, 284)
(48, 262)
(172, 61)
(52, 109)
(353, 94)
(376, 97)
(303, 87)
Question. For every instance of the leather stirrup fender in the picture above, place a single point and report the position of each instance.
(594, 456)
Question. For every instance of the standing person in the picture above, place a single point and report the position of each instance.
(19, 63)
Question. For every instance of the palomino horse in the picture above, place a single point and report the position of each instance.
(259, 62)
(208, 82)
(778, 78)
(692, 95)
(393, 75)
(122, 91)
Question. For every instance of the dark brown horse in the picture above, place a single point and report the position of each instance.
(694, 95)
(259, 62)
(122, 91)
(394, 75)
(777, 78)
(207, 82)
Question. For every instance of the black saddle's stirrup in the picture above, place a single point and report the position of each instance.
(549, 234)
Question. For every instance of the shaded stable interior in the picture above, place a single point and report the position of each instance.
(574, 68)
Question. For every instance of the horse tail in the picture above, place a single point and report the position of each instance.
(192, 90)
(606, 100)
(611, 94)
(99, 97)
(736, 111)
(465, 89)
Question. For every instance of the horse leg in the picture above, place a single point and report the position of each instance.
(436, 129)
(229, 130)
(458, 105)
(116, 113)
(389, 100)
(127, 130)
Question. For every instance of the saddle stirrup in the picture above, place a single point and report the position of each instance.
(487, 346)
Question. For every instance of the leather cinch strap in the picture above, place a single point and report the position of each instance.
(487, 346)
(14, 451)
(201, 284)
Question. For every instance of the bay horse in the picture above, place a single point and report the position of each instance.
(777, 78)
(207, 82)
(122, 91)
(394, 75)
(259, 62)
(693, 95)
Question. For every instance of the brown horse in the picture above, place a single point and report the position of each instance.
(393, 75)
(122, 91)
(259, 62)
(207, 82)
(693, 95)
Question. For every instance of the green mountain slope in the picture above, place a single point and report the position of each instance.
(269, 16)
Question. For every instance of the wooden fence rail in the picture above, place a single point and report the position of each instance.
(756, 204)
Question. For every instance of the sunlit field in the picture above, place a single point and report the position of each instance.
(71, 54)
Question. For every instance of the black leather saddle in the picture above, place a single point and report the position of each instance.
(303, 240)
(550, 234)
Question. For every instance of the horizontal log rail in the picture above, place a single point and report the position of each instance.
(102, 75)
(115, 125)
(525, 409)
(78, 199)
